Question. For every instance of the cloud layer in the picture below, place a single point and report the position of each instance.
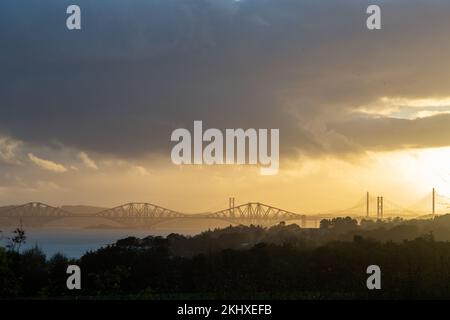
(88, 162)
(130, 77)
(47, 164)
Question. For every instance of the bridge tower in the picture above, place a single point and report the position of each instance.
(367, 205)
(379, 207)
(433, 205)
(231, 205)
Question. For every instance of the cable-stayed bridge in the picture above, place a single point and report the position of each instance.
(380, 207)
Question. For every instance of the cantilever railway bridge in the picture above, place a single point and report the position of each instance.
(147, 214)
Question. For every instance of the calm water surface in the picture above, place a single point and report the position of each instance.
(75, 242)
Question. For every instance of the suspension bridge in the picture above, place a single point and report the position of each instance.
(381, 207)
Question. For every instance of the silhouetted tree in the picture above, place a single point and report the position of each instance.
(18, 238)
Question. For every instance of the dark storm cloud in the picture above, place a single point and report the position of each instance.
(389, 133)
(140, 69)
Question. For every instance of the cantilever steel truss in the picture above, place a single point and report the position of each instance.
(253, 212)
(139, 210)
(34, 210)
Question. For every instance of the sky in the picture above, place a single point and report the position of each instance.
(86, 116)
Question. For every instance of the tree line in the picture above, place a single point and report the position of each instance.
(280, 262)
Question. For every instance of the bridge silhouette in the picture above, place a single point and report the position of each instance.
(147, 214)
(256, 213)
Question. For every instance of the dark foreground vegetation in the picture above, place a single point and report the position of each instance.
(281, 262)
